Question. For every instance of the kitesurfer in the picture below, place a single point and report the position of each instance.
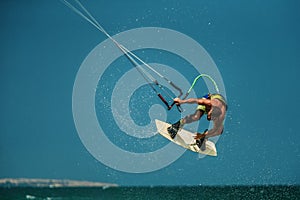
(213, 105)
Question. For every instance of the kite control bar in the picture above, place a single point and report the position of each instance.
(169, 107)
(164, 101)
(178, 107)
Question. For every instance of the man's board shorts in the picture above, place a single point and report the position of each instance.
(211, 96)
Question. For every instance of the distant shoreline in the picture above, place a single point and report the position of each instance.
(50, 183)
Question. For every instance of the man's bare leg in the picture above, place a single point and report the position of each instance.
(192, 118)
(188, 119)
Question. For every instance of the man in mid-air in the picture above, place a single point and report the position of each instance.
(214, 105)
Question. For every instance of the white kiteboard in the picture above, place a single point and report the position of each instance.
(185, 139)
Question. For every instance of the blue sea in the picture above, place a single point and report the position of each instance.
(163, 193)
(44, 49)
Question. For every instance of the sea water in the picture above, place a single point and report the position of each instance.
(162, 193)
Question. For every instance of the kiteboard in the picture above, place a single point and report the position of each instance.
(185, 139)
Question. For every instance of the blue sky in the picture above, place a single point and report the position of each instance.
(254, 44)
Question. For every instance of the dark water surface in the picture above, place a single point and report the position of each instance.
(163, 193)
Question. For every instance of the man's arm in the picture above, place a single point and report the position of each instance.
(206, 102)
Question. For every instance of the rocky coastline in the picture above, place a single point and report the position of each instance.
(51, 183)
